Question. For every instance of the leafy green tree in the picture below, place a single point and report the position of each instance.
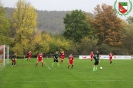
(130, 19)
(128, 40)
(107, 26)
(76, 26)
(59, 43)
(24, 24)
(4, 27)
(87, 45)
(41, 44)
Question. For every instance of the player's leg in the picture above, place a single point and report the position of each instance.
(58, 63)
(94, 67)
(14, 62)
(36, 63)
(68, 65)
(28, 58)
(42, 63)
(72, 64)
(61, 60)
(110, 61)
(53, 63)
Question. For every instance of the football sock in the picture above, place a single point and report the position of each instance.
(68, 66)
(72, 66)
(94, 68)
(58, 64)
(42, 63)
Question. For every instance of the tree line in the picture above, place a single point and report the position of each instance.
(79, 32)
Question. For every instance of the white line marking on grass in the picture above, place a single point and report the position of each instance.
(71, 81)
(2, 68)
(47, 66)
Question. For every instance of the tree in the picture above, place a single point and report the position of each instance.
(76, 26)
(107, 26)
(89, 18)
(58, 43)
(4, 27)
(128, 40)
(40, 43)
(87, 45)
(24, 24)
(130, 19)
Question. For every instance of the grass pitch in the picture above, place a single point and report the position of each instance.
(119, 74)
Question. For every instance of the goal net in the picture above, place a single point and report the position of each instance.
(4, 55)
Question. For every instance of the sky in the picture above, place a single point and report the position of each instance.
(66, 5)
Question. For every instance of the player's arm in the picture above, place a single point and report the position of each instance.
(37, 58)
(68, 60)
(55, 57)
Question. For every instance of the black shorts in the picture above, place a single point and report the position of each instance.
(96, 63)
(55, 60)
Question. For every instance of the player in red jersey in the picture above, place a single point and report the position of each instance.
(91, 55)
(62, 56)
(40, 59)
(70, 61)
(110, 57)
(14, 59)
(29, 55)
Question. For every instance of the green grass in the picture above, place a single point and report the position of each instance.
(119, 74)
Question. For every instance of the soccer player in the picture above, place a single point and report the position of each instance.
(62, 56)
(70, 61)
(14, 59)
(40, 59)
(29, 55)
(56, 55)
(96, 58)
(91, 55)
(110, 57)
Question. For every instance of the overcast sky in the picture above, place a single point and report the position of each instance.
(64, 5)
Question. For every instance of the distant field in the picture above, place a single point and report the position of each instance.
(119, 74)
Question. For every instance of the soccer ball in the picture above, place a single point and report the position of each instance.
(101, 67)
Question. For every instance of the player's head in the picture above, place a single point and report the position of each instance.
(56, 52)
(71, 54)
(15, 53)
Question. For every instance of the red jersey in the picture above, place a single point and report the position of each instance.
(71, 58)
(91, 55)
(29, 54)
(110, 56)
(62, 55)
(40, 57)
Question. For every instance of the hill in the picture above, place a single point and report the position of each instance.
(48, 21)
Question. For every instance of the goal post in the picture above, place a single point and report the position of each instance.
(4, 55)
